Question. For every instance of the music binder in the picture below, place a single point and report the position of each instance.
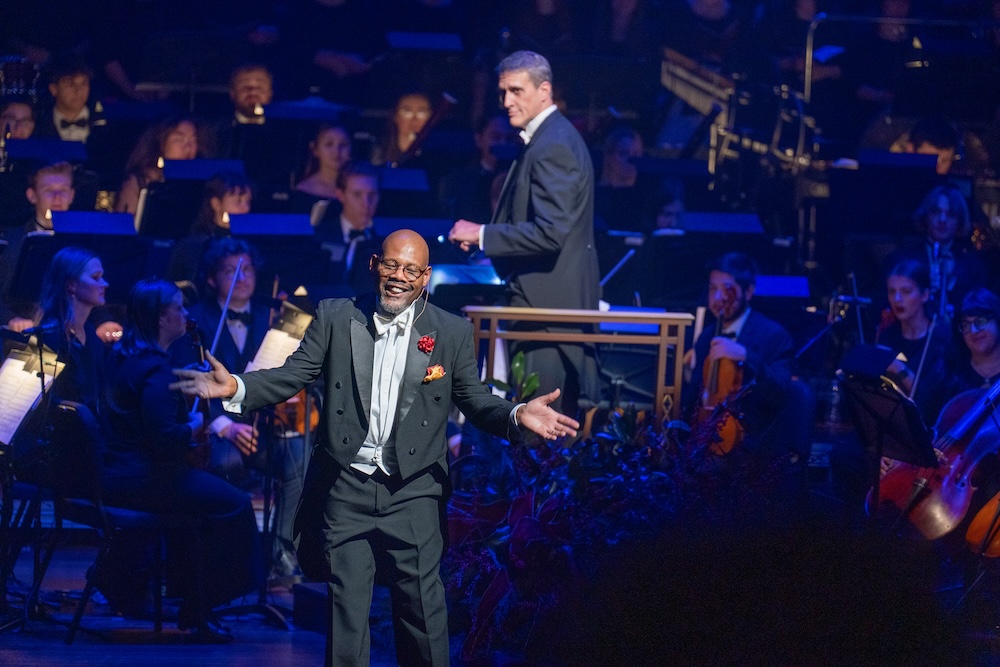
(20, 386)
(281, 340)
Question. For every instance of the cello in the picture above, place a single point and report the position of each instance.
(722, 381)
(936, 500)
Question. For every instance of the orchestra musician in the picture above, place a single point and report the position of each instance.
(170, 140)
(945, 246)
(216, 556)
(924, 340)
(316, 192)
(226, 193)
(234, 438)
(375, 490)
(758, 345)
(50, 189)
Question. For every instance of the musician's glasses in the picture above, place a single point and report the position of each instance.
(975, 325)
(388, 267)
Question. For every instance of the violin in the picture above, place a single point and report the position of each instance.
(936, 500)
(722, 381)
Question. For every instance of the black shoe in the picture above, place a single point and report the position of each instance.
(209, 632)
(204, 631)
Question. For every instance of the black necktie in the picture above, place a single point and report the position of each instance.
(245, 318)
(63, 123)
(355, 233)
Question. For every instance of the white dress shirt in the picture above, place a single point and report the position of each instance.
(72, 133)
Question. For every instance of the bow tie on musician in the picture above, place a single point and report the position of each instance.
(80, 122)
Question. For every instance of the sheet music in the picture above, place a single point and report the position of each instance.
(19, 389)
(276, 347)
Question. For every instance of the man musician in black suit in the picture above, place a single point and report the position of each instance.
(541, 236)
(234, 438)
(756, 343)
(392, 364)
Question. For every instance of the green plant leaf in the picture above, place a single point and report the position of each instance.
(529, 387)
(499, 384)
(517, 368)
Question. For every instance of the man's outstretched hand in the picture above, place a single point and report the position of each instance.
(215, 383)
(538, 417)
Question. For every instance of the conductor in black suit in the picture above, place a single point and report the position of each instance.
(374, 493)
(541, 236)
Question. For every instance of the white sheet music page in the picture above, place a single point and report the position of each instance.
(19, 389)
(276, 347)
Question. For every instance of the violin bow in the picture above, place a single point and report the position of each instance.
(923, 357)
(222, 321)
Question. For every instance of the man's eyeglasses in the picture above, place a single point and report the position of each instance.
(388, 267)
(975, 325)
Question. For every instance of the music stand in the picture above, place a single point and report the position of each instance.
(887, 422)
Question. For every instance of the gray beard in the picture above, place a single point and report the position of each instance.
(390, 309)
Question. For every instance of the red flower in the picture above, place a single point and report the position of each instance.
(425, 344)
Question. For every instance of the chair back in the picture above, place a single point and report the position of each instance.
(76, 463)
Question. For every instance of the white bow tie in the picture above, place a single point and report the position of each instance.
(384, 322)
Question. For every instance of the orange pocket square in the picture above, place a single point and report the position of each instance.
(435, 372)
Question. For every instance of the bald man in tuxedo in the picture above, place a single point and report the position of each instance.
(377, 480)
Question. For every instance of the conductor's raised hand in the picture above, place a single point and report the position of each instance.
(538, 417)
(214, 383)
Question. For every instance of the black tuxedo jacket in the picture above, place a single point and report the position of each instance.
(541, 237)
(339, 345)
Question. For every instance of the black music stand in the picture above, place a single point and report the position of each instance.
(888, 423)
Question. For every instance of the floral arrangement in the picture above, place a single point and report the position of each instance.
(524, 536)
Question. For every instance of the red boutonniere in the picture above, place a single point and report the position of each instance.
(435, 372)
(425, 344)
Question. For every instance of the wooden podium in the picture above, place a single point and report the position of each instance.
(668, 333)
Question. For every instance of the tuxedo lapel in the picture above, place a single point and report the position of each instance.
(363, 358)
(417, 362)
(504, 200)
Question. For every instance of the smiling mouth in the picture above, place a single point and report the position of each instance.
(395, 289)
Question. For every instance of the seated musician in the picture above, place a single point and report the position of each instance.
(70, 118)
(73, 287)
(17, 117)
(410, 115)
(354, 239)
(216, 557)
(977, 364)
(234, 437)
(50, 189)
(979, 323)
(225, 193)
(925, 341)
(955, 268)
(760, 346)
(316, 193)
(169, 140)
(465, 192)
(250, 89)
